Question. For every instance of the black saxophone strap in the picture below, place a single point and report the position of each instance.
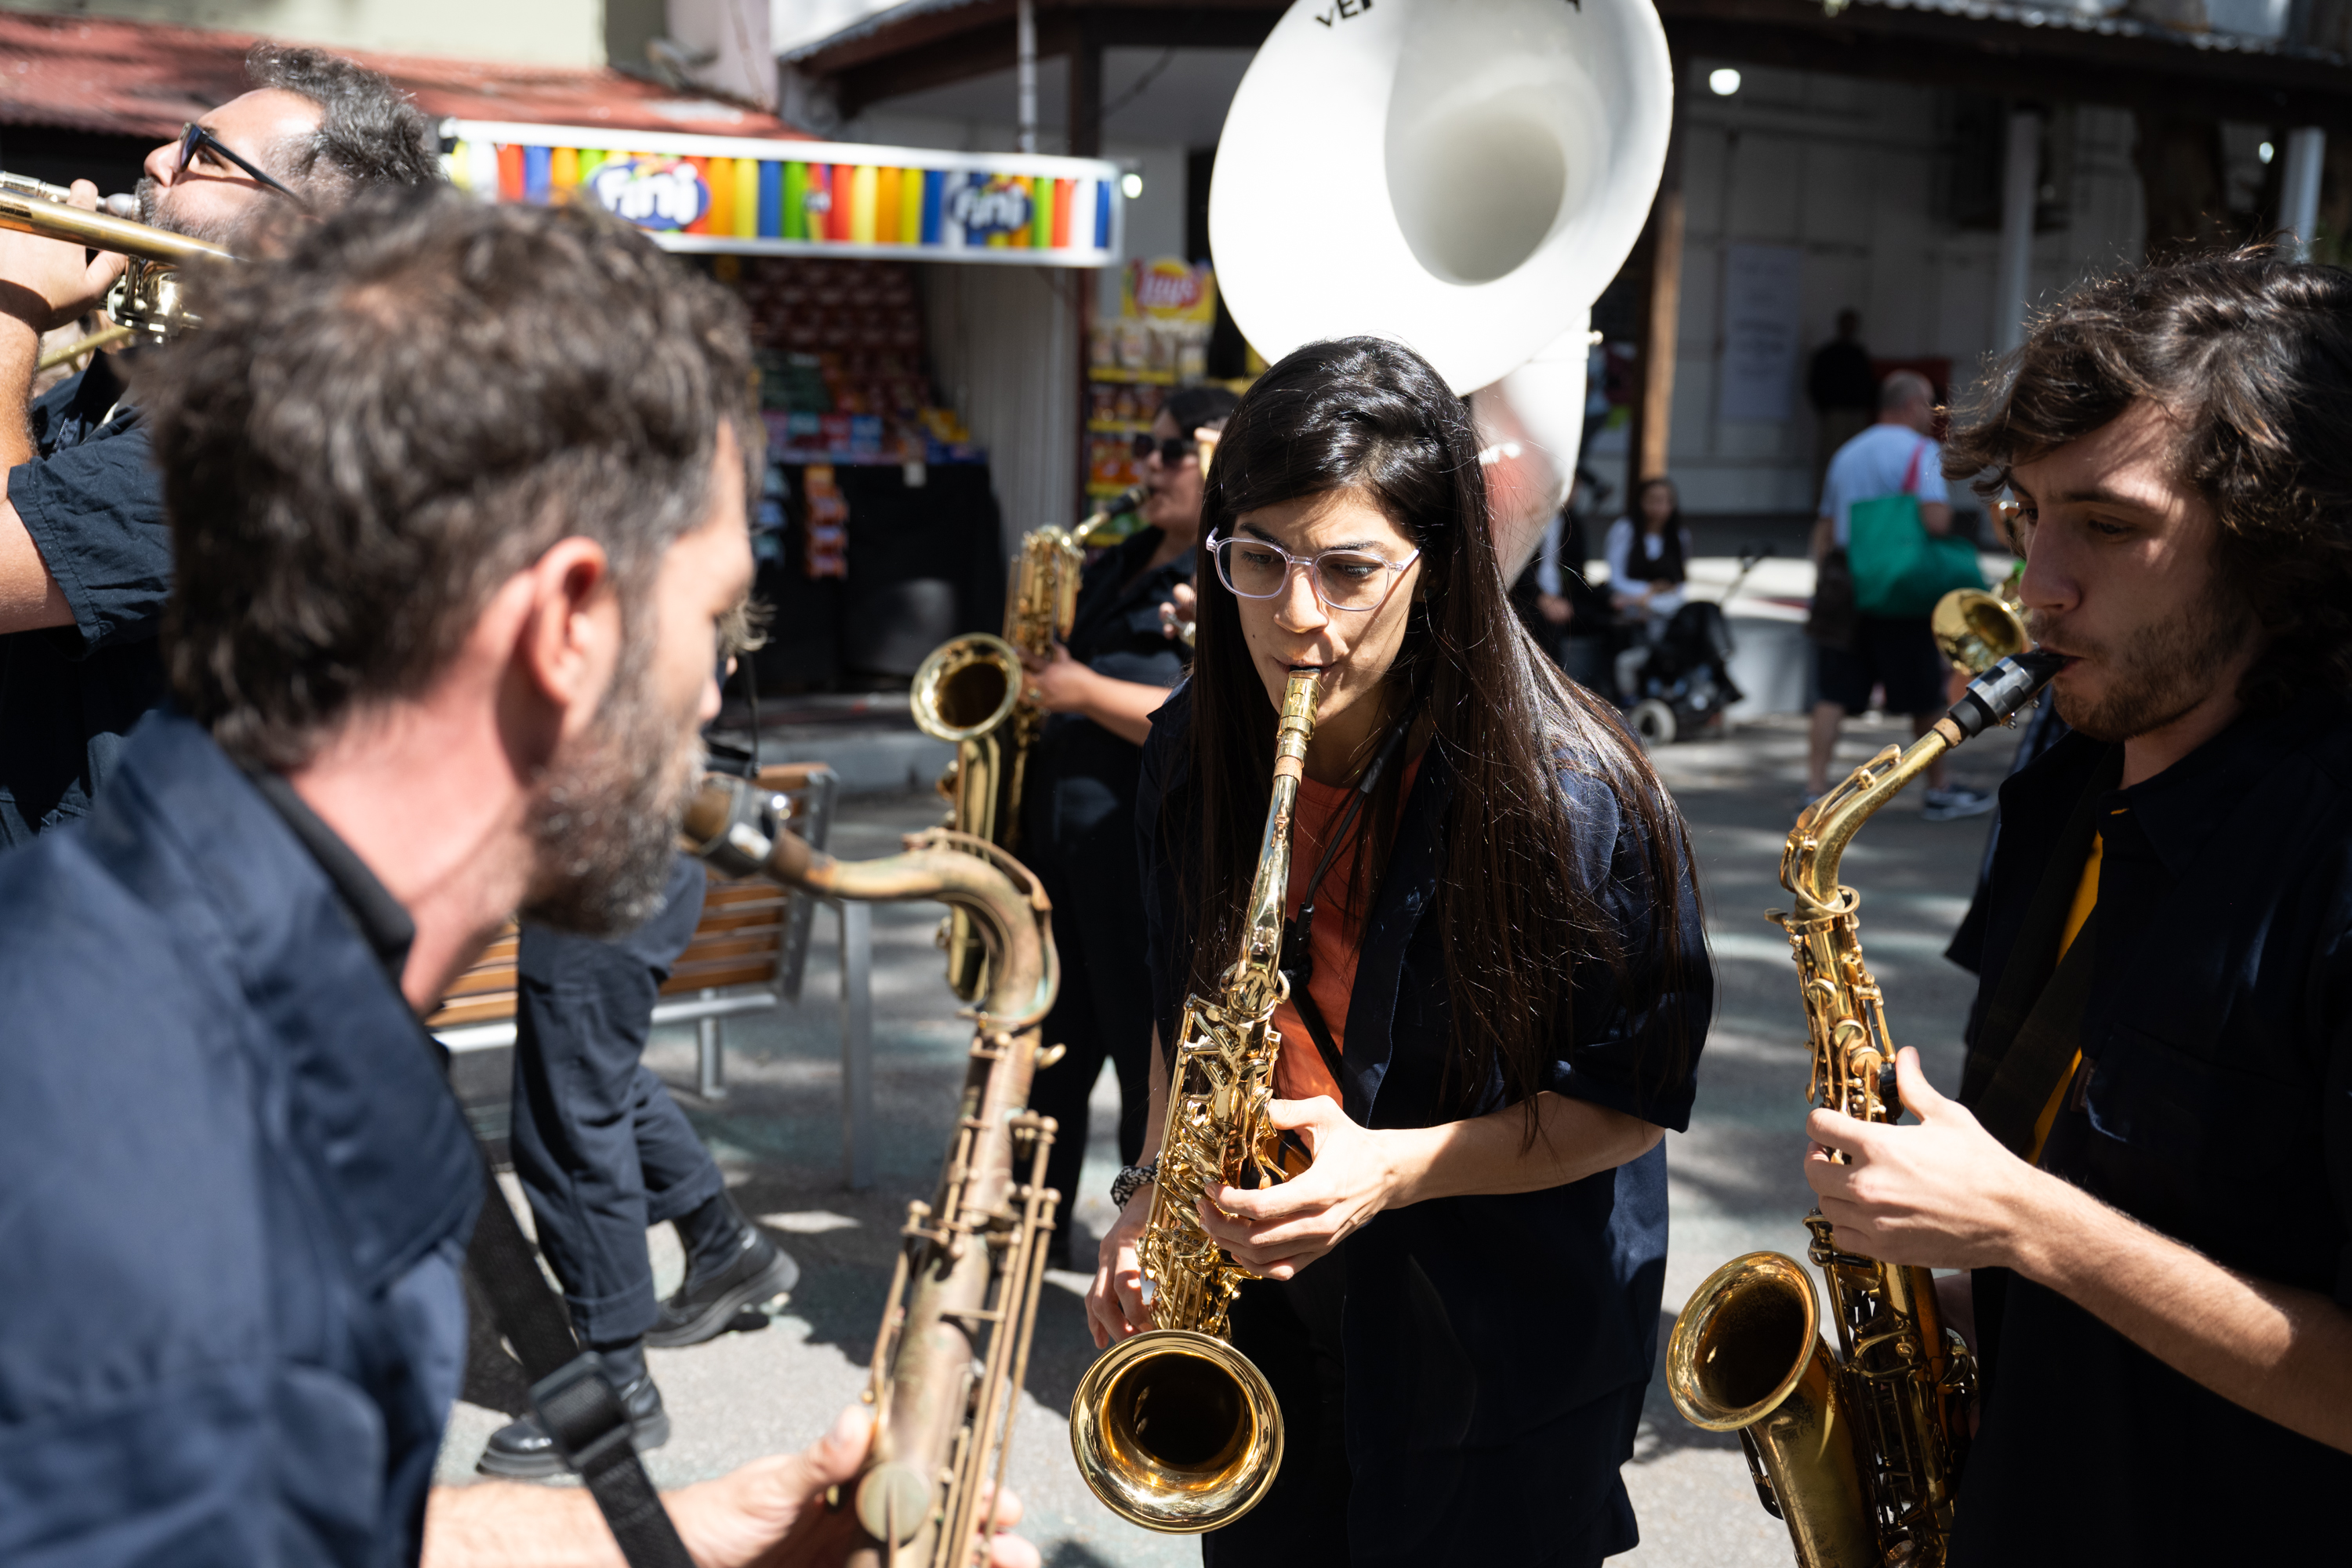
(571, 1389)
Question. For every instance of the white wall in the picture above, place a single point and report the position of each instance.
(1003, 355)
(537, 32)
(1849, 171)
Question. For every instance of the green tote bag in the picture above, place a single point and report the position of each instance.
(1899, 568)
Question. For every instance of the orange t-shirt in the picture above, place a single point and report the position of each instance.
(1336, 940)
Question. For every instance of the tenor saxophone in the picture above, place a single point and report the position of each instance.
(970, 1261)
(1174, 1429)
(1860, 1453)
(970, 693)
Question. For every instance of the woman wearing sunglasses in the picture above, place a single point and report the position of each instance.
(1495, 1008)
(1079, 805)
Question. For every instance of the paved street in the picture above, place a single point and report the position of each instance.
(1735, 1179)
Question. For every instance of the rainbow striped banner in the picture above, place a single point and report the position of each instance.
(752, 197)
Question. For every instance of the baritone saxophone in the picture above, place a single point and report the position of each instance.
(954, 1343)
(970, 692)
(1174, 1429)
(1859, 1453)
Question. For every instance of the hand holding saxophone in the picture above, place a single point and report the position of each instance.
(1942, 1194)
(1274, 1232)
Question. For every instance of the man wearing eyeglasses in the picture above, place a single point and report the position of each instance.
(85, 550)
(1078, 830)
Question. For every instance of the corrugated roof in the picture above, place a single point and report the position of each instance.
(873, 26)
(2066, 19)
(143, 79)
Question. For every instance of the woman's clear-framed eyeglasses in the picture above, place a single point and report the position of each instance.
(1351, 580)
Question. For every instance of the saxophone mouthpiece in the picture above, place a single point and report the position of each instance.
(1991, 698)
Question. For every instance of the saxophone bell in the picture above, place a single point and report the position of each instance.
(1859, 1453)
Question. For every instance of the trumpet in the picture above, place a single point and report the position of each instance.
(147, 298)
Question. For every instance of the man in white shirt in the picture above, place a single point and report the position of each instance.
(1897, 456)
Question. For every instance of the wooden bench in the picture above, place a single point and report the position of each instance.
(748, 954)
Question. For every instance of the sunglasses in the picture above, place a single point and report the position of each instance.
(195, 138)
(1173, 451)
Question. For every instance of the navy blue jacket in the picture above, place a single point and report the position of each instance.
(1552, 1296)
(2215, 1104)
(235, 1191)
(69, 695)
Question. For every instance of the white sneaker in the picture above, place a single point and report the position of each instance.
(1951, 804)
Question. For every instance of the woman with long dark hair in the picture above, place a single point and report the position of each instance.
(1499, 990)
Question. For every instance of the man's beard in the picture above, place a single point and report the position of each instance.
(155, 214)
(2162, 671)
(606, 813)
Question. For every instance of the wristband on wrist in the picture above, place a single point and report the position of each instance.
(1130, 1178)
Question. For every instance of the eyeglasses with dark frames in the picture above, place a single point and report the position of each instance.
(1173, 451)
(194, 137)
(1355, 581)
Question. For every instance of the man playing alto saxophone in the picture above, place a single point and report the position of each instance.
(2148, 1171)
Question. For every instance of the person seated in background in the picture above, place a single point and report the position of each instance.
(1649, 556)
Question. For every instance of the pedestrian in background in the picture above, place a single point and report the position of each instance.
(1843, 390)
(1895, 457)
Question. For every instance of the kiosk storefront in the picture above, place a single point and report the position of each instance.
(880, 533)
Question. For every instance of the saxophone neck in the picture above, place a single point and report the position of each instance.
(1261, 956)
(1808, 864)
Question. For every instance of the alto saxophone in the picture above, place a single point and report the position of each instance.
(1860, 1454)
(970, 692)
(971, 1261)
(1174, 1429)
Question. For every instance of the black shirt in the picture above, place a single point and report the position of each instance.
(70, 694)
(2214, 1105)
(1081, 795)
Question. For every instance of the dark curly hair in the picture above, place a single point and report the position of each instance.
(370, 133)
(2252, 352)
(409, 404)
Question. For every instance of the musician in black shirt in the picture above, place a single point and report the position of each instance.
(1078, 830)
(2149, 1170)
(85, 548)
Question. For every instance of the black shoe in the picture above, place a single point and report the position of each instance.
(706, 1305)
(521, 1450)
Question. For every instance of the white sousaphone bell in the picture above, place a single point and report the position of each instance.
(1464, 176)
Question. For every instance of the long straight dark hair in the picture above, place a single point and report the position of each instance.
(1517, 910)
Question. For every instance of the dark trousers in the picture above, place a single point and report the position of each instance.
(602, 1150)
(1291, 1331)
(1103, 1011)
